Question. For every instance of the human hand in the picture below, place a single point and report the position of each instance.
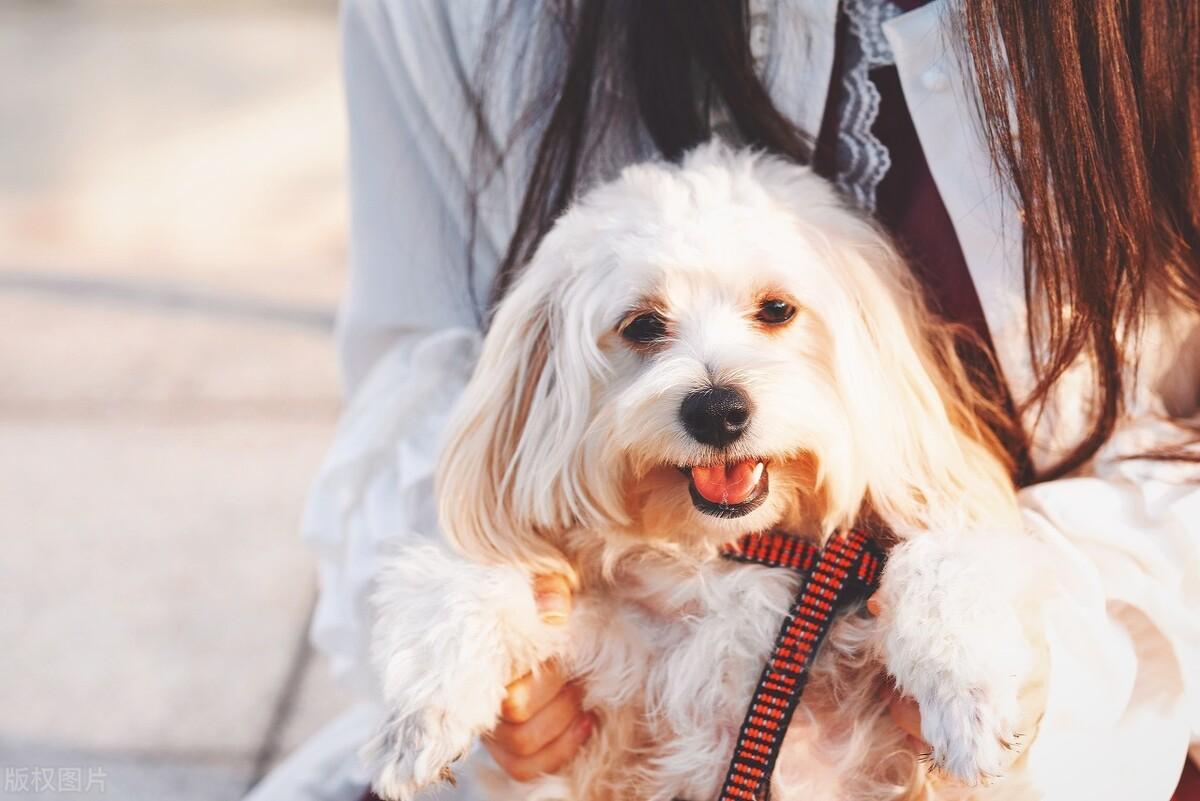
(904, 711)
(542, 722)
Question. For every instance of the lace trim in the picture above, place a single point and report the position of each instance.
(862, 160)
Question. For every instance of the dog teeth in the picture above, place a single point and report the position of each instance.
(758, 471)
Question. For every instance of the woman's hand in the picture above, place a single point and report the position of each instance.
(904, 711)
(542, 723)
(907, 716)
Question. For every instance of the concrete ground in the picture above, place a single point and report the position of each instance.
(171, 251)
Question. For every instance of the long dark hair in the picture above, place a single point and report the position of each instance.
(1107, 176)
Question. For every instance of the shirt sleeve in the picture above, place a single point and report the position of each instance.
(408, 327)
(1123, 630)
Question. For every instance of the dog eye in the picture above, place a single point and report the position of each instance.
(775, 312)
(648, 327)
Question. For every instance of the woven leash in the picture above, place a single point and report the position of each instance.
(847, 569)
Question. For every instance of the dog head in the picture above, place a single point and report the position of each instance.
(705, 350)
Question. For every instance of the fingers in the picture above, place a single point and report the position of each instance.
(874, 605)
(552, 594)
(528, 737)
(907, 715)
(528, 694)
(903, 711)
(542, 724)
(549, 759)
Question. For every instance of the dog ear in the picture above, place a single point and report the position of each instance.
(918, 454)
(927, 458)
(511, 479)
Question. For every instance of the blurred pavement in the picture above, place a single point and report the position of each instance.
(171, 252)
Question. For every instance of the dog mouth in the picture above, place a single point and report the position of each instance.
(728, 489)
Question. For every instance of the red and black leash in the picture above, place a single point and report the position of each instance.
(845, 570)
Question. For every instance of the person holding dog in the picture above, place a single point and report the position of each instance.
(1039, 163)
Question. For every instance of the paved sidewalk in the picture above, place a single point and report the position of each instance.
(171, 251)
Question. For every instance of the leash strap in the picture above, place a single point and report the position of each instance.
(846, 570)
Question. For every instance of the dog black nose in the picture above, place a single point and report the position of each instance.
(715, 416)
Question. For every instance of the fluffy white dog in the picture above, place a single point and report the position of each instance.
(696, 352)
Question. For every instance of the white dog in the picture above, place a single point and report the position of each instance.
(696, 352)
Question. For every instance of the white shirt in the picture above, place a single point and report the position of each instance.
(1123, 701)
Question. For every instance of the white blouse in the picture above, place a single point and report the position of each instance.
(1123, 700)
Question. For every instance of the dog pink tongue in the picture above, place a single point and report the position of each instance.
(729, 484)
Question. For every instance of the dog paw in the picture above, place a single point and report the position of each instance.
(448, 637)
(407, 756)
(967, 736)
(953, 641)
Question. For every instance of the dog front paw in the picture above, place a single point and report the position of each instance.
(448, 637)
(968, 736)
(407, 756)
(952, 640)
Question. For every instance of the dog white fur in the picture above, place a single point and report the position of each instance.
(568, 455)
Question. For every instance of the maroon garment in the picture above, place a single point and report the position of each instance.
(907, 202)
(1189, 784)
(907, 199)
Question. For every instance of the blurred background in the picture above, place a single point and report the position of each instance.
(172, 236)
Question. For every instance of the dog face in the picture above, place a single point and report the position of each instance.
(696, 352)
(722, 400)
